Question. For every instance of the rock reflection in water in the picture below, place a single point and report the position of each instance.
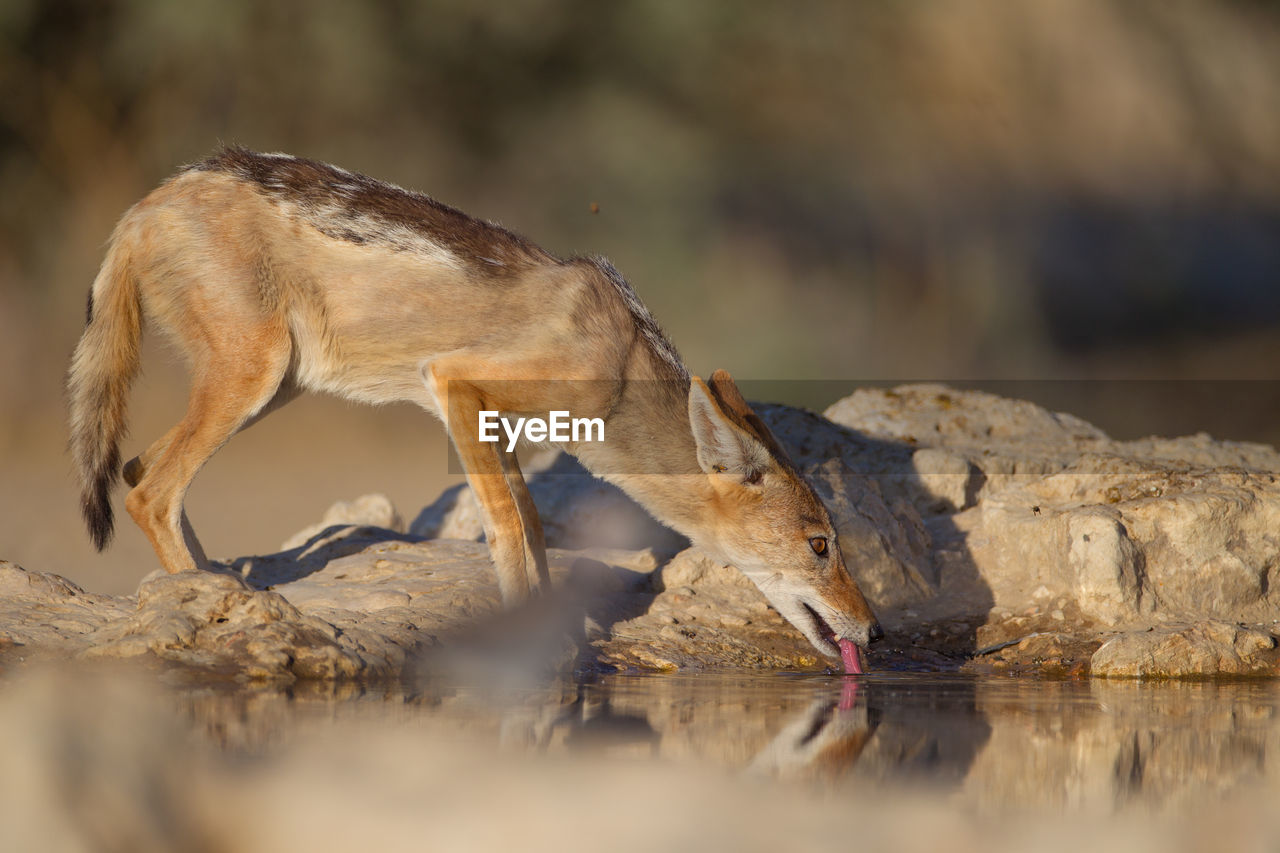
(787, 726)
(740, 762)
(1101, 746)
(1098, 746)
(901, 731)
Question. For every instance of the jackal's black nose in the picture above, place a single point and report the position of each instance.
(876, 632)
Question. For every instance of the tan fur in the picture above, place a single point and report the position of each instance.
(275, 275)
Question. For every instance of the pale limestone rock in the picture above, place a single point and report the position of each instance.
(16, 582)
(949, 505)
(1176, 528)
(1209, 549)
(371, 606)
(454, 515)
(365, 511)
(810, 439)
(939, 414)
(1105, 564)
(707, 615)
(1228, 584)
(692, 567)
(215, 621)
(947, 477)
(44, 614)
(1007, 441)
(1201, 649)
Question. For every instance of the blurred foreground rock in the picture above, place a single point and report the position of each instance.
(988, 534)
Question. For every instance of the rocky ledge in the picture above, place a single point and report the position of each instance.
(989, 534)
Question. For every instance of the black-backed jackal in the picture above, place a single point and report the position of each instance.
(276, 275)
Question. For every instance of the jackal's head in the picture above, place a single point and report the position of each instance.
(767, 521)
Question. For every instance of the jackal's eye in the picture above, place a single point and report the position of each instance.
(819, 545)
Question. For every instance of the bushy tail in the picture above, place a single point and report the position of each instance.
(102, 369)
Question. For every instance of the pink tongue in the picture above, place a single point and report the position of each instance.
(852, 657)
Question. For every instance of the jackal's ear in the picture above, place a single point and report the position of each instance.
(730, 398)
(727, 393)
(723, 446)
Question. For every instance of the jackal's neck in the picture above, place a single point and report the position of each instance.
(649, 450)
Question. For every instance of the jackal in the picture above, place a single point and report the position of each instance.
(275, 275)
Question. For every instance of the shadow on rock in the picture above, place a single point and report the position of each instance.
(577, 511)
(318, 550)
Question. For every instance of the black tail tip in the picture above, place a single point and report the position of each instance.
(99, 517)
(100, 530)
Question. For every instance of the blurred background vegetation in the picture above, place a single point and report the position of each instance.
(826, 189)
(1048, 190)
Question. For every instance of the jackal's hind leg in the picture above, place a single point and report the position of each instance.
(228, 391)
(137, 466)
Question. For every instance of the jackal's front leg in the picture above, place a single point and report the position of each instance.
(500, 514)
(535, 545)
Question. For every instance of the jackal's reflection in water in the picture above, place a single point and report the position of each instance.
(789, 727)
(999, 743)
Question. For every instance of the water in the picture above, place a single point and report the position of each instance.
(1098, 746)
(695, 761)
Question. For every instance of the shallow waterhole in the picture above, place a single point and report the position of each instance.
(999, 743)
(95, 758)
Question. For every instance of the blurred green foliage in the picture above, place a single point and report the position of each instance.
(814, 189)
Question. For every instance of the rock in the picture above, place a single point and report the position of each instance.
(454, 515)
(1128, 534)
(1227, 584)
(215, 622)
(45, 615)
(1201, 649)
(937, 414)
(364, 511)
(1004, 440)
(17, 582)
(1130, 531)
(1105, 565)
(948, 478)
(706, 615)
(810, 439)
(372, 606)
(1209, 543)
(976, 526)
